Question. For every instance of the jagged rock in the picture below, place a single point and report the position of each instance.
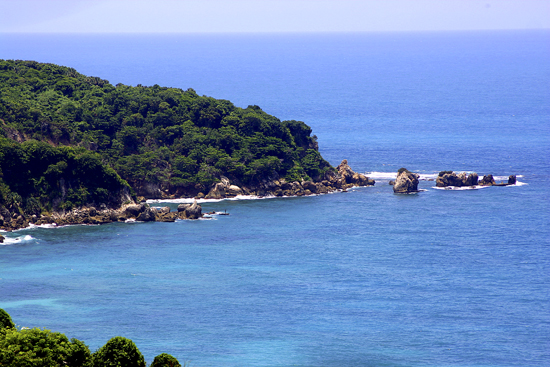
(182, 207)
(190, 211)
(449, 178)
(309, 185)
(166, 217)
(470, 180)
(345, 171)
(217, 191)
(148, 215)
(512, 180)
(234, 190)
(349, 178)
(406, 182)
(164, 210)
(487, 180)
(134, 210)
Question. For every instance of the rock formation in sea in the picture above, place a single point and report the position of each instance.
(450, 178)
(487, 180)
(190, 211)
(406, 182)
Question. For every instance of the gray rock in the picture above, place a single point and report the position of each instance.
(487, 180)
(134, 210)
(148, 215)
(406, 182)
(191, 211)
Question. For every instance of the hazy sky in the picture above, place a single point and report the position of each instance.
(270, 15)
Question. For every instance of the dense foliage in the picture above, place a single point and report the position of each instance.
(43, 348)
(118, 352)
(35, 176)
(166, 136)
(5, 320)
(165, 360)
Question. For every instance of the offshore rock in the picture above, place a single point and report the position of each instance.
(406, 182)
(487, 180)
(348, 178)
(449, 178)
(190, 211)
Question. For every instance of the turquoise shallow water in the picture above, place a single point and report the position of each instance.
(366, 278)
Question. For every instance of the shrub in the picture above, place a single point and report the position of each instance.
(5, 320)
(165, 360)
(41, 348)
(118, 352)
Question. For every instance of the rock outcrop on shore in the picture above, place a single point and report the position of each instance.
(343, 179)
(340, 180)
(91, 215)
(406, 182)
(450, 178)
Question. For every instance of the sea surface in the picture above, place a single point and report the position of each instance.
(363, 278)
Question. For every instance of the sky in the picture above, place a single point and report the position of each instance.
(192, 16)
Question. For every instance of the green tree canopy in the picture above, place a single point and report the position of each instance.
(118, 352)
(5, 320)
(169, 136)
(165, 360)
(41, 348)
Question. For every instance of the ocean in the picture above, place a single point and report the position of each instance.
(363, 278)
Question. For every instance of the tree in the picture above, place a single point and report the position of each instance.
(165, 360)
(118, 352)
(41, 348)
(5, 320)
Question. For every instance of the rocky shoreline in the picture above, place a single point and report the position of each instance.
(341, 180)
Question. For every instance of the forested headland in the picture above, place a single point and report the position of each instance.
(69, 140)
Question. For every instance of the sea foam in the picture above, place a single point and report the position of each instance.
(16, 240)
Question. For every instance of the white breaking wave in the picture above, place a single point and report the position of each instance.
(52, 225)
(16, 240)
(200, 201)
(393, 175)
(461, 188)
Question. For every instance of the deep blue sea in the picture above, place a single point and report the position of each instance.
(364, 278)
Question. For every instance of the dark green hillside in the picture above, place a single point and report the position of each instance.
(174, 139)
(36, 177)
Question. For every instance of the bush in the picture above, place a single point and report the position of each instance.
(5, 320)
(118, 352)
(165, 360)
(41, 348)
